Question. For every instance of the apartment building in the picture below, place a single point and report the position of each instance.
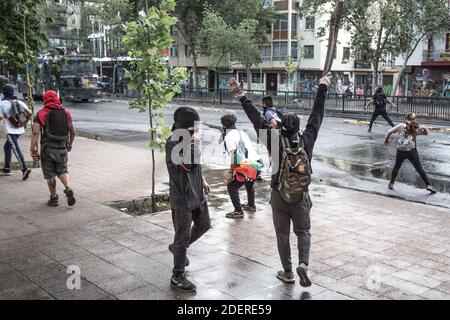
(290, 36)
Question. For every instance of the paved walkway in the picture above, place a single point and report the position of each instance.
(364, 246)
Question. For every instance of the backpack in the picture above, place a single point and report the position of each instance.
(57, 127)
(405, 142)
(278, 112)
(295, 172)
(18, 118)
(379, 100)
(241, 152)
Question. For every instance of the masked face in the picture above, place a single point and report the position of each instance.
(290, 125)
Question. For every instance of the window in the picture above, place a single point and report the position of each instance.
(345, 54)
(294, 50)
(308, 52)
(294, 22)
(447, 42)
(187, 51)
(242, 76)
(281, 23)
(279, 50)
(283, 78)
(310, 23)
(256, 77)
(266, 52)
(174, 51)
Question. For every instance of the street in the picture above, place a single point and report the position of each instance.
(345, 155)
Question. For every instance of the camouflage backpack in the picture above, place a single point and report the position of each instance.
(295, 172)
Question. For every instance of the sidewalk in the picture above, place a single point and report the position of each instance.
(364, 246)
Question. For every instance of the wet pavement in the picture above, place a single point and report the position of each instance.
(345, 155)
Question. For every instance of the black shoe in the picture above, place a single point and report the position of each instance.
(171, 250)
(53, 202)
(431, 189)
(5, 171)
(235, 214)
(302, 272)
(391, 186)
(286, 277)
(182, 284)
(248, 208)
(369, 131)
(70, 198)
(26, 174)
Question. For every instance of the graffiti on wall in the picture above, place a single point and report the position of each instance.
(429, 82)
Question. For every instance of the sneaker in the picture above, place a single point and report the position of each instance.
(182, 284)
(5, 171)
(302, 272)
(235, 214)
(246, 207)
(26, 174)
(286, 277)
(431, 189)
(53, 202)
(391, 186)
(369, 131)
(70, 198)
(171, 250)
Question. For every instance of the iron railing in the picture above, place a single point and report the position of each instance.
(426, 107)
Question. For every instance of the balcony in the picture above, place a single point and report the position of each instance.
(436, 55)
(362, 65)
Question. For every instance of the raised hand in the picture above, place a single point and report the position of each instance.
(235, 88)
(326, 80)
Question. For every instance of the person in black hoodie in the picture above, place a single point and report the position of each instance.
(284, 212)
(187, 185)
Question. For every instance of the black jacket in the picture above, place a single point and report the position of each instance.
(185, 182)
(309, 135)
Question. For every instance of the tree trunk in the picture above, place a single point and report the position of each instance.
(150, 115)
(332, 37)
(195, 67)
(114, 79)
(249, 79)
(399, 76)
(376, 64)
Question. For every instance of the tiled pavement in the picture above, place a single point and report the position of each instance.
(363, 247)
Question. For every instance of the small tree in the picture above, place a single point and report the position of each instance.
(419, 20)
(145, 40)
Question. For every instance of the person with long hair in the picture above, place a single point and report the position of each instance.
(407, 148)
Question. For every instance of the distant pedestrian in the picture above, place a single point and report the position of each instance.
(271, 113)
(407, 148)
(291, 176)
(239, 147)
(187, 188)
(15, 115)
(54, 126)
(379, 100)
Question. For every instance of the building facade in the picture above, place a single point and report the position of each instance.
(297, 39)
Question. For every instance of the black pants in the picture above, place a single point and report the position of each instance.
(233, 190)
(380, 112)
(283, 214)
(186, 233)
(12, 146)
(412, 156)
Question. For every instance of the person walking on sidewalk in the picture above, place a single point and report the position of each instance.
(54, 125)
(291, 152)
(379, 100)
(407, 148)
(16, 115)
(187, 188)
(237, 144)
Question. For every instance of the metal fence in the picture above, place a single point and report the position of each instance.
(425, 107)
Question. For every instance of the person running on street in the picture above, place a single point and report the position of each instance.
(407, 148)
(16, 115)
(379, 100)
(187, 189)
(54, 126)
(235, 140)
(291, 176)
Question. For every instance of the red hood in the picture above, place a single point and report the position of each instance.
(51, 100)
